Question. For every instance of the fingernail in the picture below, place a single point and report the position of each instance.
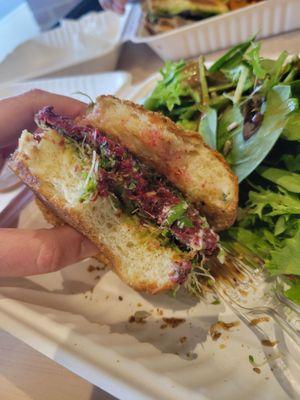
(118, 8)
(87, 249)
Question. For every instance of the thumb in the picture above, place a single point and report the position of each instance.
(28, 252)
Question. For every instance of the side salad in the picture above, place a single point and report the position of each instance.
(247, 108)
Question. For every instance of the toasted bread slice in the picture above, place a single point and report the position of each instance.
(50, 168)
(201, 174)
(190, 7)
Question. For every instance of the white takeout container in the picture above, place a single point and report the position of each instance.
(268, 18)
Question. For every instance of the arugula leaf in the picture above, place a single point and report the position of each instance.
(266, 203)
(285, 260)
(293, 293)
(277, 68)
(286, 179)
(274, 69)
(255, 61)
(230, 121)
(291, 162)
(295, 86)
(209, 118)
(292, 128)
(219, 103)
(280, 226)
(176, 212)
(208, 127)
(232, 58)
(184, 222)
(245, 156)
(169, 89)
(240, 87)
(270, 227)
(203, 82)
(253, 241)
(189, 125)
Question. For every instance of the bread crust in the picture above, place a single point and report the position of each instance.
(52, 218)
(195, 7)
(171, 150)
(57, 214)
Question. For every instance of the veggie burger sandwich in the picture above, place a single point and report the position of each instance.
(163, 15)
(149, 194)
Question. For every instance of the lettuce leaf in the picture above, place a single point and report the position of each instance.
(246, 155)
(293, 293)
(208, 126)
(266, 203)
(292, 128)
(254, 241)
(232, 58)
(286, 259)
(292, 163)
(270, 227)
(169, 91)
(286, 179)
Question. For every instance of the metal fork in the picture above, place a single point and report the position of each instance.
(245, 287)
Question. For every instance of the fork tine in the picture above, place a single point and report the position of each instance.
(242, 253)
(236, 277)
(246, 312)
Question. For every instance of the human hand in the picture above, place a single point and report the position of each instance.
(30, 252)
(115, 5)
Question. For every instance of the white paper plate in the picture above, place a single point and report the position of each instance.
(78, 319)
(92, 85)
(92, 36)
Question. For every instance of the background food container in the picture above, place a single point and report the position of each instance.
(268, 18)
(74, 42)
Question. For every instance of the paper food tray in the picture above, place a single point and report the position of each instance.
(79, 317)
(268, 18)
(73, 86)
(81, 320)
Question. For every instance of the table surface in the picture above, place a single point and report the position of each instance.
(26, 374)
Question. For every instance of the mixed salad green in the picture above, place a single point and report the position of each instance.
(247, 108)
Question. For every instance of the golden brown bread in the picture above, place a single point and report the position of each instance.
(200, 173)
(54, 220)
(192, 7)
(51, 169)
(161, 16)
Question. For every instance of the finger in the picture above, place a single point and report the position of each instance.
(28, 252)
(17, 113)
(5, 152)
(106, 4)
(2, 160)
(120, 6)
(114, 5)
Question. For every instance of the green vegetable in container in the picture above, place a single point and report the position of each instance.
(247, 107)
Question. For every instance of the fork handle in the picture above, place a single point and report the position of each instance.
(277, 317)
